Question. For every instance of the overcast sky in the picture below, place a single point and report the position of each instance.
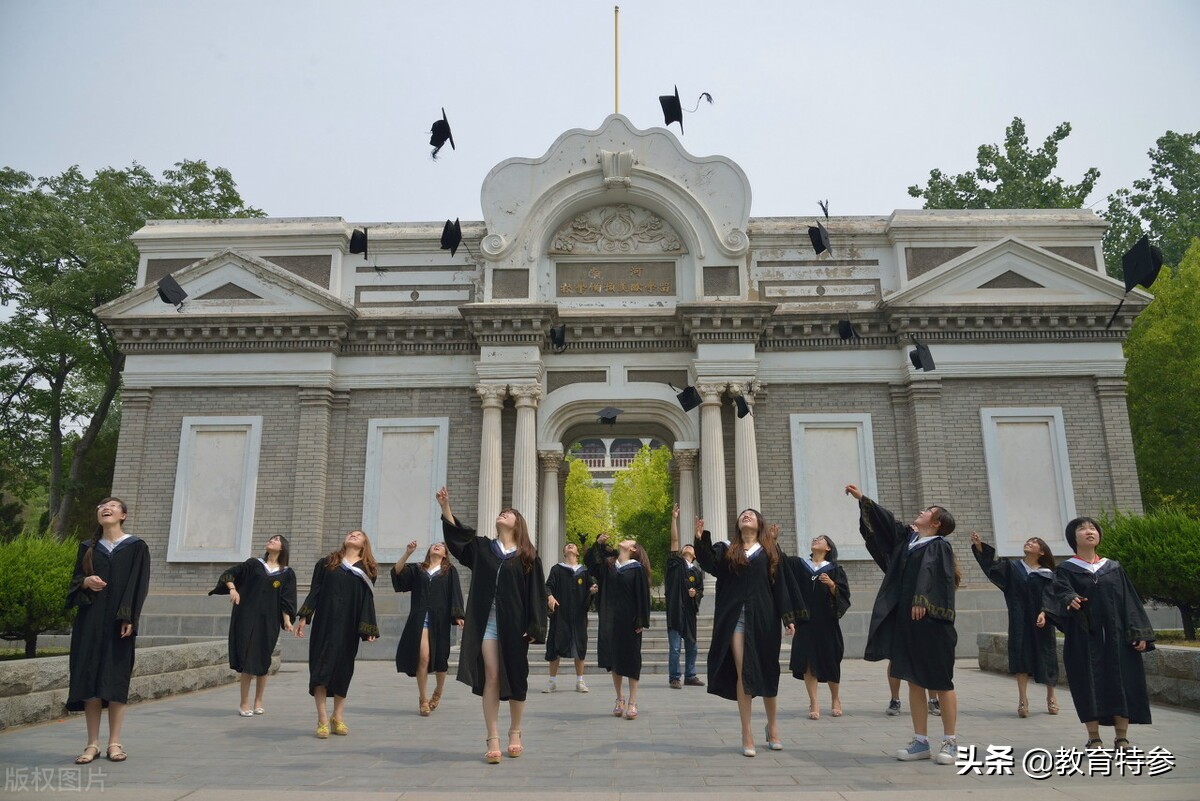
(324, 108)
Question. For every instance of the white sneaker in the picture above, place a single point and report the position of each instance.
(551, 687)
(948, 754)
(580, 687)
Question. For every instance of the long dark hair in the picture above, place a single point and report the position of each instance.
(1045, 558)
(736, 555)
(639, 553)
(525, 550)
(832, 555)
(945, 522)
(97, 533)
(370, 567)
(284, 549)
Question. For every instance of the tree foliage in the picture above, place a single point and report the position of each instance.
(587, 510)
(64, 250)
(643, 496)
(33, 586)
(1166, 205)
(1163, 375)
(1160, 552)
(1010, 177)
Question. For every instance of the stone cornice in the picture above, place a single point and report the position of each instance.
(708, 323)
(611, 333)
(508, 323)
(196, 334)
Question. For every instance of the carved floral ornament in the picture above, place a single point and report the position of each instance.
(618, 229)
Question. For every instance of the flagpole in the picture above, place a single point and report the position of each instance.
(616, 60)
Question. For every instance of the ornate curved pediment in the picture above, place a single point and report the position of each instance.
(617, 229)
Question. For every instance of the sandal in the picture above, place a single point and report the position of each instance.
(1023, 709)
(619, 708)
(837, 709)
(631, 711)
(435, 699)
(814, 713)
(424, 708)
(85, 758)
(322, 730)
(339, 727)
(1052, 706)
(1094, 744)
(1120, 744)
(119, 756)
(492, 757)
(515, 751)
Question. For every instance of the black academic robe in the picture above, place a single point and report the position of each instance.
(1026, 593)
(624, 608)
(101, 660)
(520, 599)
(341, 608)
(568, 627)
(819, 647)
(440, 597)
(681, 607)
(921, 651)
(254, 624)
(1106, 676)
(768, 606)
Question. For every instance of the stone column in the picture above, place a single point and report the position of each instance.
(745, 456)
(525, 468)
(550, 538)
(685, 463)
(490, 467)
(1118, 444)
(310, 473)
(929, 443)
(712, 460)
(127, 472)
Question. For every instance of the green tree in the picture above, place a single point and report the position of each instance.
(1166, 205)
(65, 249)
(586, 503)
(33, 586)
(643, 496)
(1163, 374)
(1160, 552)
(1012, 177)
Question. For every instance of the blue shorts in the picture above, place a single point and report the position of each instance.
(491, 632)
(426, 621)
(740, 628)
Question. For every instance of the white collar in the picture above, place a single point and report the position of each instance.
(433, 571)
(1092, 567)
(571, 567)
(503, 550)
(921, 542)
(270, 572)
(622, 565)
(815, 566)
(753, 549)
(1041, 571)
(358, 571)
(111, 545)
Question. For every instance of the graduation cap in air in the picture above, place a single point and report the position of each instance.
(358, 242)
(558, 337)
(1139, 266)
(608, 415)
(451, 236)
(818, 234)
(440, 134)
(169, 291)
(673, 109)
(743, 408)
(689, 398)
(920, 356)
(846, 330)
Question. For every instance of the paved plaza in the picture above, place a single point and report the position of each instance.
(195, 747)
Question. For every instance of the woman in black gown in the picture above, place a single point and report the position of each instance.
(1105, 632)
(341, 607)
(263, 594)
(1027, 587)
(569, 592)
(817, 648)
(624, 579)
(437, 604)
(754, 602)
(109, 586)
(506, 612)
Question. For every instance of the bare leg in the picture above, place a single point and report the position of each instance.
(440, 682)
(949, 704)
(1120, 727)
(834, 700)
(772, 707)
(260, 690)
(617, 682)
(244, 703)
(423, 666)
(516, 710)
(580, 667)
(1093, 729)
(553, 668)
(737, 647)
(319, 696)
(491, 686)
(918, 709)
(894, 684)
(92, 710)
(814, 705)
(339, 708)
(633, 685)
(116, 719)
(1022, 690)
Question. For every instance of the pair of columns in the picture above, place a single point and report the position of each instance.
(491, 468)
(712, 465)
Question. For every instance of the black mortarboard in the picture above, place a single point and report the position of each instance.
(440, 134)
(846, 330)
(608, 415)
(558, 337)
(920, 356)
(818, 234)
(1139, 266)
(673, 110)
(689, 398)
(451, 236)
(169, 291)
(358, 242)
(743, 408)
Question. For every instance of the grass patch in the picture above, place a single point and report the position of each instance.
(1174, 637)
(19, 653)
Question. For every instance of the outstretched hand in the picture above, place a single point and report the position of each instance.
(699, 527)
(675, 512)
(976, 542)
(853, 491)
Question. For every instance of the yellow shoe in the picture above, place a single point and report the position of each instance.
(323, 731)
(339, 728)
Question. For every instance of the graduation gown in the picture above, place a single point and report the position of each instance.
(1026, 593)
(101, 661)
(254, 624)
(681, 607)
(818, 647)
(921, 651)
(568, 627)
(520, 599)
(624, 607)
(1106, 676)
(440, 597)
(767, 605)
(341, 608)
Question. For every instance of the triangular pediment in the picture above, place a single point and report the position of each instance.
(231, 283)
(1009, 271)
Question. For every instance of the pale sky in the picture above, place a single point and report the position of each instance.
(324, 108)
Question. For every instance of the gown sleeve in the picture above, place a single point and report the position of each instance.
(137, 587)
(287, 596)
(535, 602)
(935, 581)
(77, 594)
(706, 553)
(457, 607)
(314, 592)
(1137, 622)
(643, 601)
(552, 582)
(596, 560)
(998, 572)
(699, 590)
(461, 541)
(789, 601)
(841, 599)
(879, 531)
(234, 574)
(367, 626)
(402, 581)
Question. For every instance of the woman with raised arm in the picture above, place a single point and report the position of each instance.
(1105, 632)
(436, 606)
(683, 588)
(109, 586)
(569, 593)
(506, 612)
(754, 604)
(341, 608)
(624, 578)
(1027, 586)
(817, 648)
(263, 593)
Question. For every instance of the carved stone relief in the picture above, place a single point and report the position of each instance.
(617, 229)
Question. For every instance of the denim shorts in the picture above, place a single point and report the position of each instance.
(740, 628)
(491, 632)
(426, 621)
